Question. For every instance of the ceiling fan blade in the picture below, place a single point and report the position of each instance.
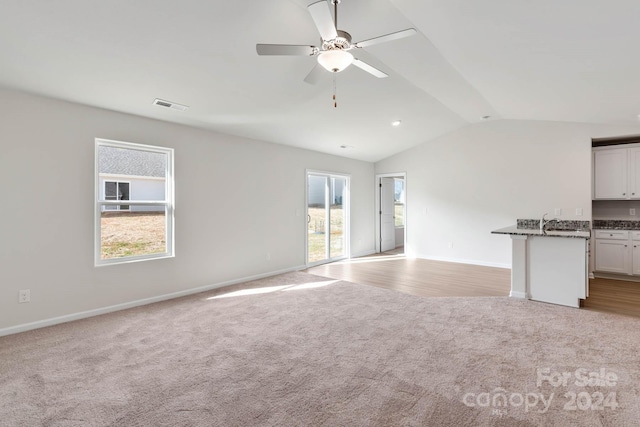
(315, 74)
(387, 38)
(321, 15)
(286, 49)
(369, 69)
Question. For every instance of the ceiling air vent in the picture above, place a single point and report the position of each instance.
(169, 104)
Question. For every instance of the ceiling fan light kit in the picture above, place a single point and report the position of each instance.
(335, 60)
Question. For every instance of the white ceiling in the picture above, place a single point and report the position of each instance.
(569, 60)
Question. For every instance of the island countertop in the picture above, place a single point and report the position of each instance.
(514, 230)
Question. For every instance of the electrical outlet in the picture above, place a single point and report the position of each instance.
(268, 256)
(557, 211)
(578, 211)
(632, 212)
(24, 296)
(450, 245)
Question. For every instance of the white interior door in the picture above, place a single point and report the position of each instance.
(387, 212)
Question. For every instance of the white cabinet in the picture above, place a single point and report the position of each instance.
(616, 173)
(635, 250)
(610, 173)
(612, 256)
(617, 251)
(634, 173)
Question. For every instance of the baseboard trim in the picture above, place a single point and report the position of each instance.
(137, 303)
(514, 294)
(463, 261)
(624, 277)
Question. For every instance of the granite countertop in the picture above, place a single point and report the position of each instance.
(514, 230)
(614, 224)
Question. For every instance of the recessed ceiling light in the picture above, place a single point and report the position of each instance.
(169, 104)
(396, 123)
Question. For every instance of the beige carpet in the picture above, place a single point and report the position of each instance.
(324, 353)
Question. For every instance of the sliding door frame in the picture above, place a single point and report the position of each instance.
(346, 209)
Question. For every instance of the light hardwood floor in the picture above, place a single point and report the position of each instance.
(617, 296)
(446, 279)
(419, 276)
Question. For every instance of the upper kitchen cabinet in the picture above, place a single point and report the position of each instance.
(616, 173)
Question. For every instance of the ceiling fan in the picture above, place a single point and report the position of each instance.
(333, 54)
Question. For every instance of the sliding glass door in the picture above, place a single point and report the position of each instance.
(327, 217)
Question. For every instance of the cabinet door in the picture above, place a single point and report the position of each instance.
(612, 256)
(634, 173)
(610, 174)
(636, 258)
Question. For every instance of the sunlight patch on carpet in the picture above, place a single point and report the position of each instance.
(270, 289)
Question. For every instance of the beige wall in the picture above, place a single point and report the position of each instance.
(236, 201)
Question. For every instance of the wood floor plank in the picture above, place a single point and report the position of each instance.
(420, 277)
(617, 296)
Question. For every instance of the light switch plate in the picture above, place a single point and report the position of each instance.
(578, 211)
(557, 211)
(632, 212)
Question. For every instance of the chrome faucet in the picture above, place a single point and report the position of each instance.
(543, 222)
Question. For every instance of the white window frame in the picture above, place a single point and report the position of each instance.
(168, 203)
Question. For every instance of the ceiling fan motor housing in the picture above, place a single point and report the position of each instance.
(342, 42)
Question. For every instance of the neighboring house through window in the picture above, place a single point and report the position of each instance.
(143, 176)
(114, 190)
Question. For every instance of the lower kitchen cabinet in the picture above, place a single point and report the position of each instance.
(612, 256)
(635, 259)
(617, 251)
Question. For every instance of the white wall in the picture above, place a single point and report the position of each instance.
(46, 220)
(616, 209)
(399, 236)
(465, 184)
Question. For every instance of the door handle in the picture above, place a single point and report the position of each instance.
(308, 219)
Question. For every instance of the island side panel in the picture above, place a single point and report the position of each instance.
(556, 269)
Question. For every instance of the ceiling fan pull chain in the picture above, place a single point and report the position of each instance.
(335, 102)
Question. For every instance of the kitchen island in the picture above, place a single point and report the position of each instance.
(551, 265)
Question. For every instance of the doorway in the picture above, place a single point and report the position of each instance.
(391, 209)
(327, 217)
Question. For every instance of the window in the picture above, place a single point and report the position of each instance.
(399, 201)
(143, 228)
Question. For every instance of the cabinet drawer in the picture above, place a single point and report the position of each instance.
(613, 234)
(635, 235)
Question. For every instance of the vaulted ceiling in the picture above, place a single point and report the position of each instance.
(571, 60)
